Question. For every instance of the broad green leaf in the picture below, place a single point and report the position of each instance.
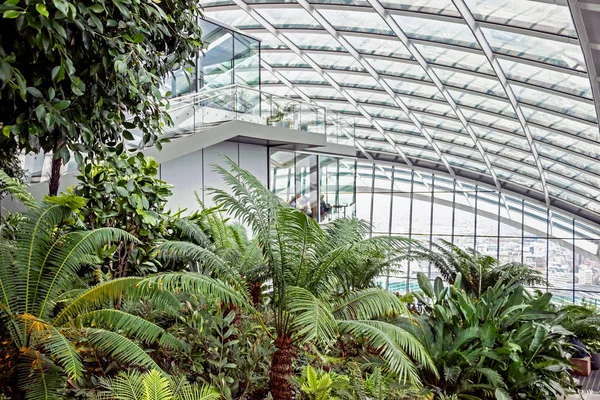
(41, 8)
(34, 92)
(61, 105)
(11, 14)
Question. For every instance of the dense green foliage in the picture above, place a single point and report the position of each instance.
(292, 311)
(76, 75)
(124, 192)
(506, 342)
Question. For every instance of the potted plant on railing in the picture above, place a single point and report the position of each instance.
(584, 323)
(281, 116)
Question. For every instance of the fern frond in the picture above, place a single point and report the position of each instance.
(368, 304)
(156, 386)
(129, 325)
(395, 345)
(120, 348)
(56, 345)
(17, 189)
(195, 284)
(313, 321)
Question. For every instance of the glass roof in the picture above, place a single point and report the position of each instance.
(496, 90)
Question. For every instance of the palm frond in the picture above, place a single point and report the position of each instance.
(193, 231)
(95, 297)
(397, 347)
(187, 252)
(56, 345)
(313, 321)
(17, 189)
(64, 259)
(120, 348)
(40, 378)
(368, 304)
(196, 284)
(129, 325)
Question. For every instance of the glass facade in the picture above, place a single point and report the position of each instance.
(492, 90)
(430, 208)
(227, 58)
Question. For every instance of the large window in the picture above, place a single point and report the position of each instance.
(434, 208)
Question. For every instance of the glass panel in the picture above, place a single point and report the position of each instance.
(536, 75)
(483, 103)
(379, 46)
(535, 220)
(236, 18)
(442, 212)
(455, 58)
(283, 175)
(534, 254)
(306, 184)
(314, 40)
(471, 82)
(437, 31)
(364, 185)
(421, 214)
(560, 263)
(442, 7)
(381, 212)
(246, 61)
(556, 103)
(356, 21)
(587, 271)
(289, 18)
(545, 17)
(464, 215)
(487, 221)
(541, 118)
(533, 48)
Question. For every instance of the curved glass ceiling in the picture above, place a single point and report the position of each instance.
(490, 90)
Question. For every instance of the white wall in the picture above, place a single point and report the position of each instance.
(194, 172)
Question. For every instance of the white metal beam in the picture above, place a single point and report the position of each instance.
(403, 38)
(375, 75)
(487, 50)
(281, 37)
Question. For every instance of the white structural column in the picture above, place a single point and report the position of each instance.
(380, 81)
(491, 57)
(300, 53)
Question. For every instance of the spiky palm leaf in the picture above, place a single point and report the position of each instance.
(153, 385)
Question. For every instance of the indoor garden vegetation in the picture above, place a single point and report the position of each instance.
(106, 295)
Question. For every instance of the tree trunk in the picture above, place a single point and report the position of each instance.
(281, 369)
(54, 183)
(255, 292)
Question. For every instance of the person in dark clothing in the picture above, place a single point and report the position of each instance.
(324, 208)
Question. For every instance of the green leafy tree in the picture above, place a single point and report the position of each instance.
(303, 269)
(478, 271)
(124, 192)
(77, 75)
(506, 343)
